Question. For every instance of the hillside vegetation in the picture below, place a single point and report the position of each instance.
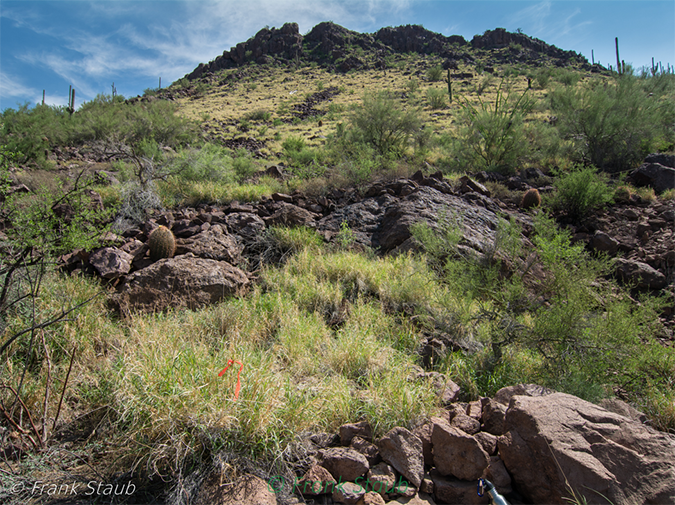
(330, 332)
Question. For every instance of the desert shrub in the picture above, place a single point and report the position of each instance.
(208, 163)
(542, 77)
(493, 137)
(613, 125)
(581, 191)
(31, 131)
(566, 77)
(243, 165)
(436, 98)
(293, 144)
(484, 84)
(435, 74)
(412, 85)
(384, 124)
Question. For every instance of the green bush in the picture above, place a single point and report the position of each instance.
(243, 165)
(208, 163)
(382, 123)
(412, 85)
(581, 191)
(32, 131)
(493, 137)
(435, 74)
(614, 125)
(436, 98)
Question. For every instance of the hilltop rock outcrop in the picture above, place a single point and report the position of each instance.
(333, 45)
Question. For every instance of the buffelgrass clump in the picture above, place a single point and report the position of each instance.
(623, 194)
(136, 203)
(435, 74)
(436, 98)
(258, 115)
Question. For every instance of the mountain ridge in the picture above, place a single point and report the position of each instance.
(340, 49)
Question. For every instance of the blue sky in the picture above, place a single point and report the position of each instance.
(51, 44)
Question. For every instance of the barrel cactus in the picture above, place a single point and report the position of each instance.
(162, 243)
(531, 198)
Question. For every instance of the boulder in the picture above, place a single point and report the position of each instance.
(369, 450)
(555, 441)
(381, 478)
(504, 395)
(457, 453)
(317, 480)
(487, 441)
(667, 160)
(247, 490)
(466, 423)
(403, 450)
(111, 262)
(655, 175)
(348, 493)
(344, 464)
(371, 498)
(640, 274)
(349, 431)
(493, 416)
(245, 224)
(451, 490)
(184, 281)
(604, 243)
(213, 244)
(291, 215)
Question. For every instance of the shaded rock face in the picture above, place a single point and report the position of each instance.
(383, 222)
(330, 43)
(184, 281)
(552, 438)
(659, 177)
(501, 38)
(415, 38)
(640, 274)
(284, 43)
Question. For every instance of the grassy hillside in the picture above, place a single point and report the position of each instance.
(332, 333)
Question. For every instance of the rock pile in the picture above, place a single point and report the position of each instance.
(534, 445)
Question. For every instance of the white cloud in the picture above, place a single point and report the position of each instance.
(14, 88)
(169, 39)
(540, 20)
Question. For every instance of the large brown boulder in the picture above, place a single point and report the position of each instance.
(213, 244)
(184, 281)
(403, 450)
(344, 464)
(457, 453)
(111, 262)
(556, 442)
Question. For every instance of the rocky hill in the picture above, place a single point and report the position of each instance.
(340, 49)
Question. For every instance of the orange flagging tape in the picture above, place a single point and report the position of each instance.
(231, 362)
